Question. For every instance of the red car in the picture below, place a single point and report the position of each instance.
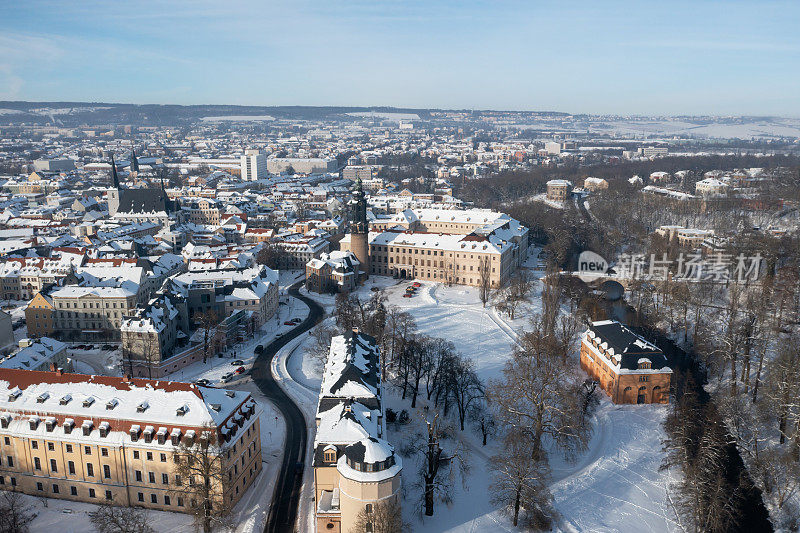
(417, 285)
(407, 295)
(239, 370)
(288, 323)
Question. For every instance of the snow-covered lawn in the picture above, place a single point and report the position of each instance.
(615, 486)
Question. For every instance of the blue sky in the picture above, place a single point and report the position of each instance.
(601, 56)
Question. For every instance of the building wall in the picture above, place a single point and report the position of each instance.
(624, 388)
(460, 267)
(114, 467)
(354, 495)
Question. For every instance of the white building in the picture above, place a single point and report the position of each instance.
(254, 165)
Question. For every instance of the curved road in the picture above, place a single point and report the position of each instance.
(283, 511)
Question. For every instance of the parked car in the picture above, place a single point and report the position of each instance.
(202, 382)
(237, 362)
(416, 285)
(407, 295)
(297, 320)
(288, 323)
(240, 370)
(226, 377)
(279, 335)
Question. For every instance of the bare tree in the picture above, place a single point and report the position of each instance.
(485, 278)
(519, 482)
(514, 292)
(16, 514)
(321, 345)
(112, 519)
(270, 255)
(483, 420)
(783, 375)
(385, 516)
(201, 468)
(540, 395)
(436, 467)
(467, 387)
(208, 321)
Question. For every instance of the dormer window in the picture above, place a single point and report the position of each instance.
(13, 395)
(87, 427)
(5, 420)
(135, 430)
(329, 455)
(65, 399)
(34, 422)
(111, 404)
(68, 425)
(142, 407)
(216, 407)
(182, 410)
(88, 401)
(175, 436)
(148, 434)
(50, 424)
(230, 393)
(42, 397)
(104, 428)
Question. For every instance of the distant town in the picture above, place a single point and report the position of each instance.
(222, 318)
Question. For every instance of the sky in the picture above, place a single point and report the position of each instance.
(601, 57)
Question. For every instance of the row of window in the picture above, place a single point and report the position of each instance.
(91, 305)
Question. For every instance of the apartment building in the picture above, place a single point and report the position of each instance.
(627, 367)
(114, 439)
(38, 354)
(254, 165)
(85, 312)
(226, 291)
(201, 211)
(558, 190)
(298, 252)
(150, 334)
(333, 272)
(355, 468)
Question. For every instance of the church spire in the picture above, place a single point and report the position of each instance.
(114, 177)
(134, 161)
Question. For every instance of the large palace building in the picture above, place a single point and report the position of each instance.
(628, 368)
(446, 245)
(112, 439)
(354, 467)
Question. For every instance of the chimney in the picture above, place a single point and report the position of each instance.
(53, 367)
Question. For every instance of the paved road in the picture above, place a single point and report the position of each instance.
(283, 511)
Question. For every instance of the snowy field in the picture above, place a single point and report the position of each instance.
(615, 486)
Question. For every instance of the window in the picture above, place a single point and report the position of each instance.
(50, 446)
(135, 454)
(37, 464)
(55, 488)
(368, 508)
(7, 441)
(108, 495)
(167, 500)
(106, 471)
(140, 496)
(138, 475)
(92, 493)
(73, 491)
(53, 465)
(163, 458)
(178, 480)
(10, 461)
(13, 482)
(71, 467)
(149, 456)
(34, 445)
(153, 498)
(87, 450)
(152, 477)
(104, 452)
(89, 469)
(39, 486)
(69, 448)
(165, 479)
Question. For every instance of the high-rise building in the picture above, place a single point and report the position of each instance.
(254, 165)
